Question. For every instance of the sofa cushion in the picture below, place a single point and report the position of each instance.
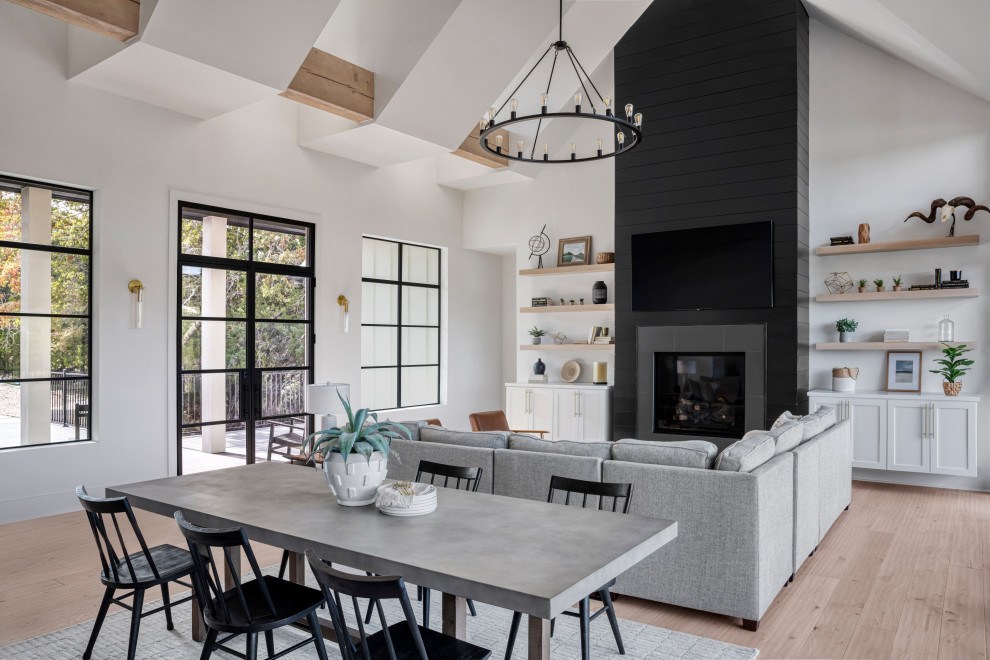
(404, 463)
(818, 422)
(412, 426)
(787, 436)
(485, 440)
(524, 442)
(686, 453)
(784, 418)
(748, 454)
(527, 474)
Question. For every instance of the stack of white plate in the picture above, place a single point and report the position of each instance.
(424, 501)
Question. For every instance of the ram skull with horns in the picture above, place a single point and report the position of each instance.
(949, 211)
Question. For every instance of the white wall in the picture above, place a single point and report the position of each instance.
(886, 139)
(136, 157)
(573, 200)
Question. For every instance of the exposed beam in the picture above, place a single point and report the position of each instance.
(334, 85)
(471, 148)
(112, 18)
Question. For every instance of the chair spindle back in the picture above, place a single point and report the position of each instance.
(98, 509)
(470, 475)
(591, 488)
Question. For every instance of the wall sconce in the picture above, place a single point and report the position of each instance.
(346, 317)
(135, 287)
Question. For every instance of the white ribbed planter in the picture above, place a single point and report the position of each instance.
(356, 482)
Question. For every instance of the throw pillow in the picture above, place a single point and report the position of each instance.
(746, 455)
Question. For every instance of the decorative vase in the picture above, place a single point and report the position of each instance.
(356, 482)
(952, 389)
(946, 329)
(599, 293)
(881, 289)
(845, 337)
(539, 368)
(862, 289)
(537, 340)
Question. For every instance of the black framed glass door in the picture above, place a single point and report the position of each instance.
(244, 338)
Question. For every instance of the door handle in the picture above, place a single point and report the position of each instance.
(580, 404)
(575, 408)
(932, 421)
(245, 401)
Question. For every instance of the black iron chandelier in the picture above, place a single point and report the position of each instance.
(628, 132)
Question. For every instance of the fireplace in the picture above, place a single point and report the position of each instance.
(700, 393)
(700, 381)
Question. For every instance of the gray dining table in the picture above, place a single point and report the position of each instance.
(522, 555)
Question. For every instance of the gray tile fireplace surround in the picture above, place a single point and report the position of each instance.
(749, 339)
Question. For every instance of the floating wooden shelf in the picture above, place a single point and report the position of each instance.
(899, 246)
(887, 345)
(567, 308)
(875, 296)
(569, 270)
(567, 347)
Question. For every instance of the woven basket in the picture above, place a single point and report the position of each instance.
(605, 257)
(952, 389)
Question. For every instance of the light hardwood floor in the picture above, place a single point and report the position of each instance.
(900, 575)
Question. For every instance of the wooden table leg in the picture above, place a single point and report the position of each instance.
(454, 614)
(232, 569)
(539, 638)
(297, 567)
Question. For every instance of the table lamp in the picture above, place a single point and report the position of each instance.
(323, 400)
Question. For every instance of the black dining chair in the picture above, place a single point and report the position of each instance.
(260, 605)
(404, 640)
(472, 479)
(135, 572)
(600, 492)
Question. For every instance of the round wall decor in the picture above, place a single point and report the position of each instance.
(571, 371)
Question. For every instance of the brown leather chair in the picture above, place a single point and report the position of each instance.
(494, 420)
(434, 422)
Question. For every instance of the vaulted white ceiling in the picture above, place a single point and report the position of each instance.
(946, 38)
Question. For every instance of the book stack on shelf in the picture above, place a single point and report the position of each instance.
(538, 379)
(955, 284)
(893, 336)
(542, 302)
(600, 335)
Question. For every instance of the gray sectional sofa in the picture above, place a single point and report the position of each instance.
(747, 519)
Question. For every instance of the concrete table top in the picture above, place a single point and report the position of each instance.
(527, 556)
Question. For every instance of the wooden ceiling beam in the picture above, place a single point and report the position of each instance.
(334, 85)
(113, 18)
(471, 148)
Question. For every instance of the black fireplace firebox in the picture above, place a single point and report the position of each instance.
(700, 393)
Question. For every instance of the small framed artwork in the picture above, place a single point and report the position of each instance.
(574, 251)
(903, 371)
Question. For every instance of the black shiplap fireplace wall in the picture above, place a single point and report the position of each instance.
(723, 86)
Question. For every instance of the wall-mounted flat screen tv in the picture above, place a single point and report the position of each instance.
(725, 267)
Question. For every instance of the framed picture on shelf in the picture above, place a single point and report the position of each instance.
(574, 251)
(903, 371)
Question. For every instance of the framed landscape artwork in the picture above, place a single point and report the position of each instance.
(574, 251)
(903, 371)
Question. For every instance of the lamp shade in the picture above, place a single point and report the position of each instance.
(323, 398)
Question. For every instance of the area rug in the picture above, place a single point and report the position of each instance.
(490, 629)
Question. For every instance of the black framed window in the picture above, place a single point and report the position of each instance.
(45, 314)
(400, 324)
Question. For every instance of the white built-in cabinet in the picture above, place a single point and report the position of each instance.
(567, 412)
(909, 432)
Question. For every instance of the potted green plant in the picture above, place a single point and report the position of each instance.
(954, 366)
(356, 482)
(879, 285)
(537, 335)
(862, 286)
(846, 327)
(897, 283)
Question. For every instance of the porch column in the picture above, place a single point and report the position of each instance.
(36, 332)
(214, 344)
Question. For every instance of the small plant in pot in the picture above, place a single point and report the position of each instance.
(537, 335)
(354, 480)
(846, 327)
(862, 286)
(954, 366)
(879, 285)
(897, 283)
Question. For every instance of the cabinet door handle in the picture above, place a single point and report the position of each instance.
(580, 403)
(574, 412)
(932, 422)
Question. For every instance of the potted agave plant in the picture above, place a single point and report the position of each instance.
(954, 366)
(537, 335)
(355, 479)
